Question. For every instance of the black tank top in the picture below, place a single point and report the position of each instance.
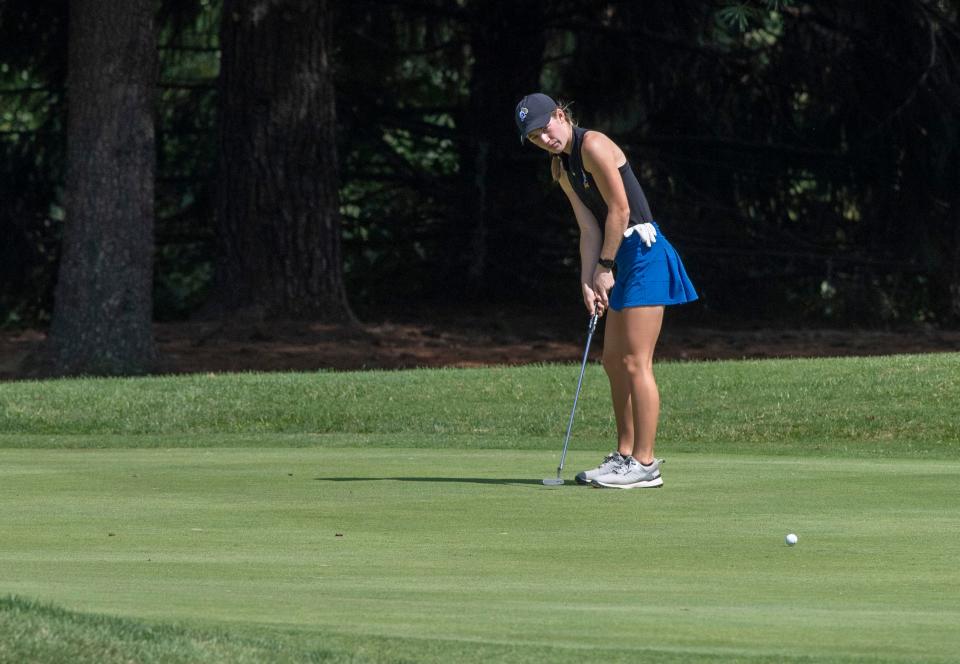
(585, 187)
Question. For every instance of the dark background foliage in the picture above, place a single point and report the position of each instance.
(802, 156)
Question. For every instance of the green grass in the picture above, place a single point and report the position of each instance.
(398, 517)
(886, 406)
(46, 633)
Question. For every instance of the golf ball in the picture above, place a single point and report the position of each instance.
(791, 539)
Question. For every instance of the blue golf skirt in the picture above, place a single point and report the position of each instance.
(650, 276)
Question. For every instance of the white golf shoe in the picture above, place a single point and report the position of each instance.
(631, 474)
(609, 463)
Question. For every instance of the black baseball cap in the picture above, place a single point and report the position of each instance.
(533, 112)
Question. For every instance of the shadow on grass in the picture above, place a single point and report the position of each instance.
(453, 480)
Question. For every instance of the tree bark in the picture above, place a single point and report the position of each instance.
(102, 317)
(507, 45)
(278, 201)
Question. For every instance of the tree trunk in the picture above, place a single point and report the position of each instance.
(278, 202)
(102, 316)
(507, 46)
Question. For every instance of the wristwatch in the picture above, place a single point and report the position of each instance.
(608, 263)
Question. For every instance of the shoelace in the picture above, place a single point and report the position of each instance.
(609, 458)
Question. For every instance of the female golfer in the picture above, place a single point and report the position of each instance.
(628, 268)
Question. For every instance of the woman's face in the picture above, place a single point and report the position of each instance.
(554, 136)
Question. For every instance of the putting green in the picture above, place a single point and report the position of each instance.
(467, 546)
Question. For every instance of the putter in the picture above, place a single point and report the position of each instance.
(566, 441)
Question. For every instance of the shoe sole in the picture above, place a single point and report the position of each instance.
(645, 484)
(584, 482)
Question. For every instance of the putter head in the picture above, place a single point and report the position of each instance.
(552, 481)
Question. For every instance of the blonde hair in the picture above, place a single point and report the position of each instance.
(565, 107)
(556, 165)
(556, 168)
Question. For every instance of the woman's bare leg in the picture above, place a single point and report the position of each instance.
(631, 337)
(614, 348)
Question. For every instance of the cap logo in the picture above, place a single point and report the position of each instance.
(523, 113)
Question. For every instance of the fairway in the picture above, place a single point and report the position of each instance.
(457, 548)
(399, 517)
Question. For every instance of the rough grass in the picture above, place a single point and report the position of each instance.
(879, 406)
(42, 633)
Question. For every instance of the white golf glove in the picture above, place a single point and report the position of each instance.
(647, 233)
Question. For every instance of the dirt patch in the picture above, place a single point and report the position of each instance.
(466, 342)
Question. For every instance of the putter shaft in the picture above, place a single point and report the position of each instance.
(583, 366)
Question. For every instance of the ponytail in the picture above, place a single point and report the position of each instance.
(556, 168)
(556, 164)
